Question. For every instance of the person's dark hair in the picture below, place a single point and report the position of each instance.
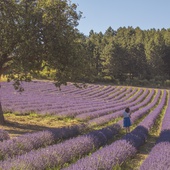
(127, 110)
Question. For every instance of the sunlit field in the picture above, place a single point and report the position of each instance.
(81, 128)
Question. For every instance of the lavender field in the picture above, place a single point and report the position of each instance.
(93, 143)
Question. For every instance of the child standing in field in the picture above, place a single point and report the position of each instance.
(126, 120)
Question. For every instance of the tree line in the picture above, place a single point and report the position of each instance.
(127, 54)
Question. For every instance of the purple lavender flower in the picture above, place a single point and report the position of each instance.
(57, 155)
(119, 151)
(31, 141)
(4, 135)
(161, 160)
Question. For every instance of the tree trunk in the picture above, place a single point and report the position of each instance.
(2, 120)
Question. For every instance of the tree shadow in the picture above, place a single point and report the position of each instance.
(14, 128)
(62, 132)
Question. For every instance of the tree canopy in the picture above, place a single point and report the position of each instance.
(129, 53)
(39, 33)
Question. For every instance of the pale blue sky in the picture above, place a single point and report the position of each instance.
(100, 14)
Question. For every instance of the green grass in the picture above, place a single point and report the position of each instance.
(18, 124)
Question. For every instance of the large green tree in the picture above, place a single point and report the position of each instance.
(38, 33)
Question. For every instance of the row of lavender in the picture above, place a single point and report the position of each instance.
(120, 150)
(142, 101)
(137, 103)
(36, 140)
(57, 155)
(116, 105)
(159, 157)
(30, 141)
(43, 97)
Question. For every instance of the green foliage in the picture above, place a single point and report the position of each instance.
(167, 83)
(128, 54)
(35, 32)
(38, 36)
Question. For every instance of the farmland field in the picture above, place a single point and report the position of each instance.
(82, 127)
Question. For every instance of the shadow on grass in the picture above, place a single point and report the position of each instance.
(15, 128)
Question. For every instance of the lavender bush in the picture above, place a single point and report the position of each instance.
(39, 151)
(106, 118)
(161, 160)
(57, 155)
(114, 108)
(32, 141)
(4, 135)
(117, 152)
(44, 98)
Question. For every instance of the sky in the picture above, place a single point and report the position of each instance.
(99, 15)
